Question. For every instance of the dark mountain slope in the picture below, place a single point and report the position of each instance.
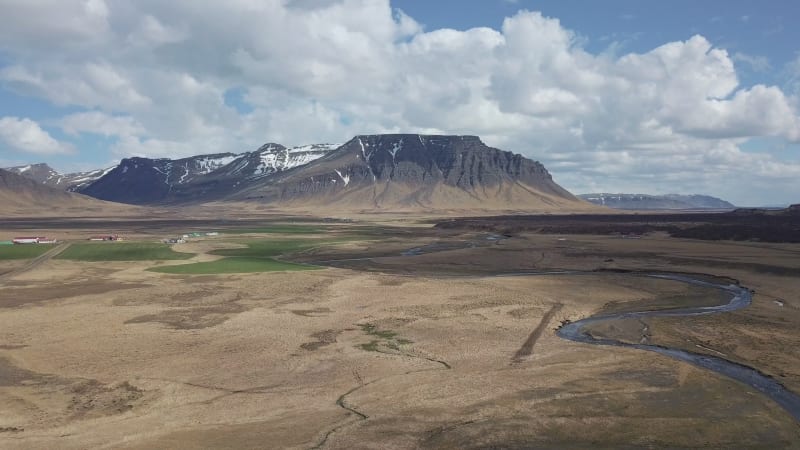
(409, 171)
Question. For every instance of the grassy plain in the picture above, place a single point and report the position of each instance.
(381, 350)
(121, 251)
(233, 265)
(267, 248)
(251, 256)
(8, 252)
(279, 229)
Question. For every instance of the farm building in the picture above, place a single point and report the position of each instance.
(31, 240)
(105, 237)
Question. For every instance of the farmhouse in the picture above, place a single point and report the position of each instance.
(32, 240)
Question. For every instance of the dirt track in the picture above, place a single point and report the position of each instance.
(527, 347)
(36, 262)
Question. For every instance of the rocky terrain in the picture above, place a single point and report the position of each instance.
(72, 182)
(668, 201)
(410, 171)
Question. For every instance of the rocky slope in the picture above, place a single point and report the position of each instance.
(644, 201)
(197, 178)
(48, 176)
(22, 196)
(410, 171)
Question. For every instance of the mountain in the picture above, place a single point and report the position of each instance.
(48, 176)
(415, 172)
(197, 178)
(144, 180)
(669, 201)
(37, 172)
(20, 195)
(384, 172)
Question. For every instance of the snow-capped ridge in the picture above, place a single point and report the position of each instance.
(143, 180)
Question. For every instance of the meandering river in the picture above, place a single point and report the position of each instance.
(740, 297)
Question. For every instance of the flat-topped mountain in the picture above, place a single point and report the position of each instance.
(411, 171)
(668, 201)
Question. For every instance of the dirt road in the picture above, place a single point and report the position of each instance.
(36, 262)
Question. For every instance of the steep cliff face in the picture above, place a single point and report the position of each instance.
(416, 171)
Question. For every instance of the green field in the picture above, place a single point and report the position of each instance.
(121, 251)
(264, 248)
(258, 256)
(279, 229)
(26, 251)
(233, 265)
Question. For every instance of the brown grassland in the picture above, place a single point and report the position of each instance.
(383, 350)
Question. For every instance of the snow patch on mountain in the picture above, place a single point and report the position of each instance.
(345, 178)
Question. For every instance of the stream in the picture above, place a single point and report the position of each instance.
(740, 298)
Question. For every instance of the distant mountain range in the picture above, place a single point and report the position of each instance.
(669, 201)
(396, 171)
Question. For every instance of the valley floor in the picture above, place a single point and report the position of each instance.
(381, 350)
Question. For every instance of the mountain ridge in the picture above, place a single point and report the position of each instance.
(369, 172)
(663, 202)
(145, 181)
(72, 182)
(412, 171)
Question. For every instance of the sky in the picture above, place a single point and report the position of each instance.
(634, 96)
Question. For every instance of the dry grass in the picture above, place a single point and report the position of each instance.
(109, 354)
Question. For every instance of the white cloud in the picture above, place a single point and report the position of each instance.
(100, 123)
(88, 84)
(33, 27)
(155, 74)
(25, 135)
